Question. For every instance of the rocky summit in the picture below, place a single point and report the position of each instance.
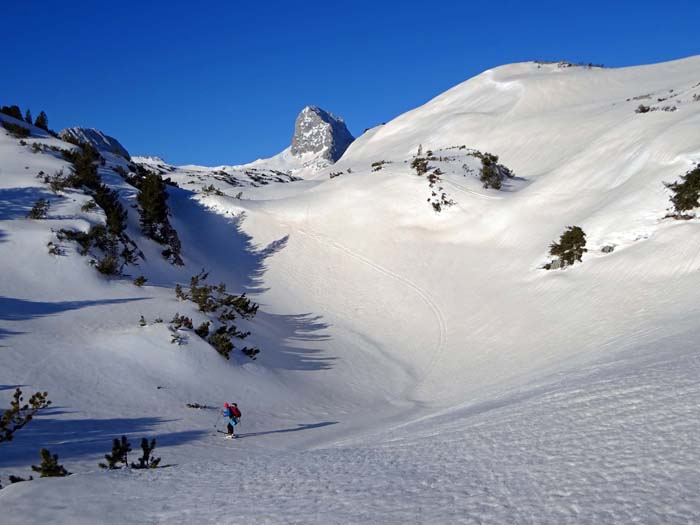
(318, 131)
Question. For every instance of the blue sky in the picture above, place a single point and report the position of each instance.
(221, 82)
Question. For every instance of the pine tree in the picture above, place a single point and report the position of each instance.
(686, 194)
(49, 467)
(108, 200)
(28, 116)
(20, 414)
(571, 246)
(42, 121)
(152, 199)
(146, 461)
(120, 452)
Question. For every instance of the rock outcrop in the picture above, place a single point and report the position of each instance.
(94, 137)
(319, 132)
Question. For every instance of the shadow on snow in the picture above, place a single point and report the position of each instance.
(12, 309)
(299, 427)
(15, 203)
(74, 439)
(218, 243)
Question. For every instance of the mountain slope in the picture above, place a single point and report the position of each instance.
(417, 365)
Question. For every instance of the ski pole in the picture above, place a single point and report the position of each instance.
(217, 420)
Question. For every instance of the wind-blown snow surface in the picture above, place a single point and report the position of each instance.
(416, 367)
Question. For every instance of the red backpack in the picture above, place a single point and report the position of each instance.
(233, 407)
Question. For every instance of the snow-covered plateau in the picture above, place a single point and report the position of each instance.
(417, 364)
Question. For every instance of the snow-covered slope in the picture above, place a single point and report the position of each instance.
(417, 366)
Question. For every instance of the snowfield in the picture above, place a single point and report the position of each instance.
(416, 366)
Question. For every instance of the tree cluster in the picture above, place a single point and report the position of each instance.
(117, 248)
(119, 457)
(42, 121)
(227, 307)
(492, 174)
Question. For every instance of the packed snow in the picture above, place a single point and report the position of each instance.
(416, 366)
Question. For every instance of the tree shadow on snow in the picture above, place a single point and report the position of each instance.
(12, 309)
(218, 243)
(74, 439)
(5, 333)
(299, 427)
(15, 203)
(294, 342)
(10, 387)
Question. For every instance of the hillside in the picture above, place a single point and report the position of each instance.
(417, 362)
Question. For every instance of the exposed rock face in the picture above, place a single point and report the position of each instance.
(97, 139)
(317, 131)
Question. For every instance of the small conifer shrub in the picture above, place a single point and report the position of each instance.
(221, 343)
(120, 454)
(571, 246)
(250, 351)
(180, 321)
(146, 460)
(108, 265)
(19, 414)
(39, 210)
(49, 467)
(90, 205)
(18, 479)
(420, 164)
(686, 194)
(202, 330)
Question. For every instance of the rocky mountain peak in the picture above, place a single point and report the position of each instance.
(318, 131)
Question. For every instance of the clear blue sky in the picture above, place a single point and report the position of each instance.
(220, 82)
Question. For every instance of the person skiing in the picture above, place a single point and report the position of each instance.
(233, 414)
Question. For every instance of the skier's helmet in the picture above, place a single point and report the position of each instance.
(225, 405)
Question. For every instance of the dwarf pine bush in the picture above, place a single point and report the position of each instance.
(120, 454)
(146, 460)
(686, 194)
(19, 414)
(39, 210)
(49, 467)
(571, 246)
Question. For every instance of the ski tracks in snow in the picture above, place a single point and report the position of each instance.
(425, 297)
